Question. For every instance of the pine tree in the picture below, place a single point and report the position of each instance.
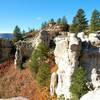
(17, 34)
(43, 75)
(95, 21)
(23, 33)
(59, 21)
(38, 57)
(78, 86)
(52, 21)
(64, 21)
(79, 22)
(64, 24)
(43, 25)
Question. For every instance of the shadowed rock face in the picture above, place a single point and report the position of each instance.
(6, 47)
(25, 48)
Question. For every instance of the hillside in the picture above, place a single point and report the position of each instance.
(14, 82)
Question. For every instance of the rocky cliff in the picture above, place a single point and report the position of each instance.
(66, 53)
(70, 52)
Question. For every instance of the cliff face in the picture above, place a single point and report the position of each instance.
(70, 52)
(66, 53)
(24, 48)
(6, 49)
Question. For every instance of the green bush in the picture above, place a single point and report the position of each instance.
(78, 87)
(43, 75)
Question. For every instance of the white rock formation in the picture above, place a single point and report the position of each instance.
(92, 95)
(66, 57)
(82, 36)
(95, 79)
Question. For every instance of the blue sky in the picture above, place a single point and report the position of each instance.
(31, 13)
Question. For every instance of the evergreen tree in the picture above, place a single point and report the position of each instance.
(17, 34)
(43, 75)
(64, 24)
(52, 21)
(79, 22)
(38, 57)
(30, 30)
(78, 87)
(95, 21)
(43, 25)
(59, 21)
(23, 33)
(64, 21)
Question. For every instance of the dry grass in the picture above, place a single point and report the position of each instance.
(14, 82)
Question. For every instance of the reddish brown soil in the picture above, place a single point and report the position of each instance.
(14, 82)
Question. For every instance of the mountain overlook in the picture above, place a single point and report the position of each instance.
(6, 35)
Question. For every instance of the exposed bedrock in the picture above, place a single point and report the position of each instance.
(70, 52)
(66, 53)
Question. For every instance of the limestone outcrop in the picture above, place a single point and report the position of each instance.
(24, 48)
(92, 95)
(23, 51)
(70, 52)
(66, 53)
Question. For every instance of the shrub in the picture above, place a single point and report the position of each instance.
(78, 86)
